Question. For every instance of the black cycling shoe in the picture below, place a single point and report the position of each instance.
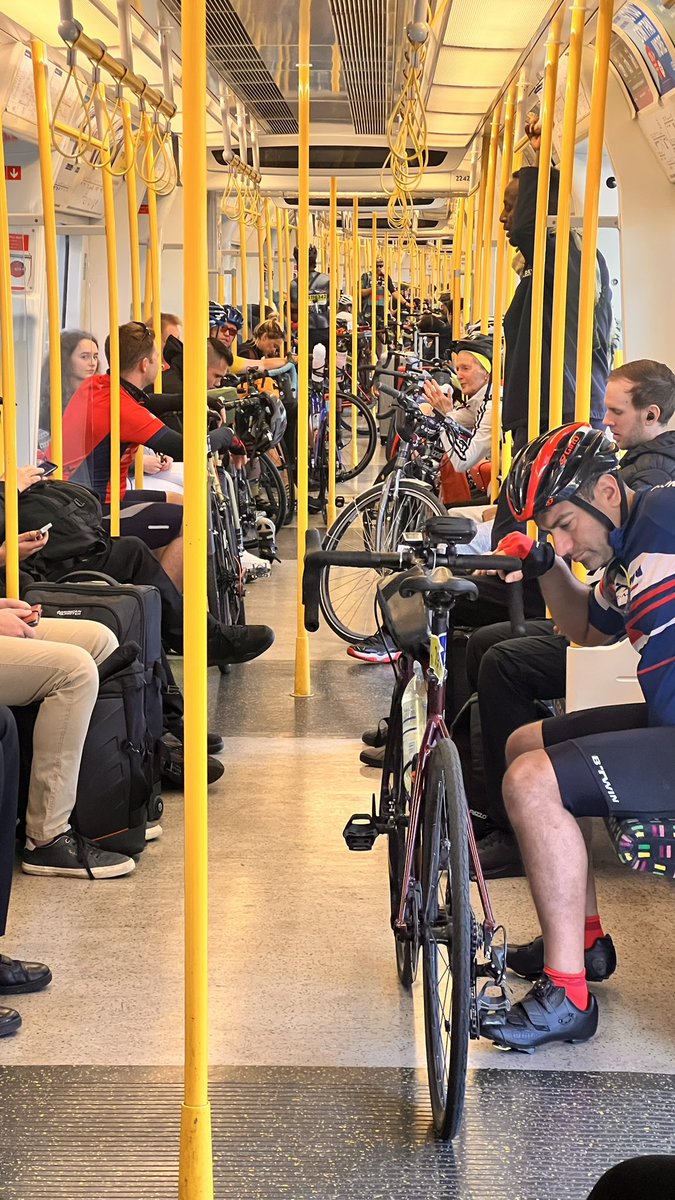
(10, 1021)
(500, 857)
(528, 961)
(236, 643)
(17, 976)
(176, 737)
(376, 737)
(373, 757)
(544, 1015)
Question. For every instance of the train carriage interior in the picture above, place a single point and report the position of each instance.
(234, 651)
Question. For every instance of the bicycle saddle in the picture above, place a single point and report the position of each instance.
(440, 580)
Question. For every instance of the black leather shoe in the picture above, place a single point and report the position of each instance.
(17, 976)
(237, 643)
(10, 1021)
(373, 757)
(376, 737)
(176, 736)
(528, 961)
(173, 770)
(500, 857)
(544, 1015)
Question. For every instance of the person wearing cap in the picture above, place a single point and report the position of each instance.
(367, 292)
(615, 761)
(473, 366)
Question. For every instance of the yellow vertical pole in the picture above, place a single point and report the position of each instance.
(270, 256)
(562, 249)
(480, 222)
(500, 280)
(283, 283)
(49, 210)
(535, 416)
(147, 286)
(332, 352)
(468, 259)
(373, 290)
(261, 267)
(489, 217)
(134, 244)
(356, 308)
(244, 272)
(399, 284)
(113, 326)
(591, 209)
(456, 268)
(287, 257)
(196, 1156)
(155, 260)
(233, 278)
(385, 256)
(220, 288)
(302, 662)
(8, 392)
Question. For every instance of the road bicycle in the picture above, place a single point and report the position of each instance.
(354, 421)
(422, 807)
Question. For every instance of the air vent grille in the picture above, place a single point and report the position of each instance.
(233, 55)
(363, 32)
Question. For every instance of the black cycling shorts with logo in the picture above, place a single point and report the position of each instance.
(609, 762)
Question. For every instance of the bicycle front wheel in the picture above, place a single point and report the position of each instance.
(354, 417)
(375, 520)
(446, 937)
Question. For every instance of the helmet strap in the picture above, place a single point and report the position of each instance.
(601, 516)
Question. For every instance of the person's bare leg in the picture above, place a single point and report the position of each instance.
(171, 558)
(554, 854)
(528, 737)
(586, 827)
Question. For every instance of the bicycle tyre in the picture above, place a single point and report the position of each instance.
(366, 436)
(446, 937)
(271, 480)
(347, 594)
(394, 803)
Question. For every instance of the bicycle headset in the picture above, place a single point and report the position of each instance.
(554, 467)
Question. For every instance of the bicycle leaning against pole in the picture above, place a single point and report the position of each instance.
(423, 809)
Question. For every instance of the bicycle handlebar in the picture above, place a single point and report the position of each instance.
(442, 554)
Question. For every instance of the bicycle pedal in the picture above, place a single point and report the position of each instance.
(360, 832)
(493, 1004)
(339, 501)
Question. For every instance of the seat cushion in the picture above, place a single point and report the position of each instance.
(645, 845)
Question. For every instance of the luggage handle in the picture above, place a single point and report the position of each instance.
(88, 577)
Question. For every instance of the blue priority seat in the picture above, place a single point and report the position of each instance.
(644, 845)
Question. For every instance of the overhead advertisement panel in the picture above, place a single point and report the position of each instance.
(642, 25)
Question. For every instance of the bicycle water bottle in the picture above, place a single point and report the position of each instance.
(414, 716)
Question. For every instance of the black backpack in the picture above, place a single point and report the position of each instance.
(75, 516)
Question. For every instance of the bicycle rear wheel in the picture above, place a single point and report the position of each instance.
(446, 937)
(272, 497)
(349, 408)
(347, 594)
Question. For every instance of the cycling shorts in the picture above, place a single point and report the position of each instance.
(147, 515)
(610, 763)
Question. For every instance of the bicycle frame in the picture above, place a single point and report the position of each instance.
(435, 730)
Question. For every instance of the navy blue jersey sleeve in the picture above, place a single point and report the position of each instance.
(602, 616)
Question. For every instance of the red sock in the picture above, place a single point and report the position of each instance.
(592, 931)
(574, 985)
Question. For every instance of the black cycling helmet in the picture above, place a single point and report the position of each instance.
(480, 345)
(555, 465)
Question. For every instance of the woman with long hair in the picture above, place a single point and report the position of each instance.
(79, 361)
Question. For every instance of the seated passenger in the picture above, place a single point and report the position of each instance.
(172, 326)
(79, 361)
(16, 977)
(614, 761)
(473, 365)
(511, 676)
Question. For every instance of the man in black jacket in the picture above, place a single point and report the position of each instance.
(513, 675)
(518, 218)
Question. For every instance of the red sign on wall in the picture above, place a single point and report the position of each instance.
(19, 242)
(17, 268)
(143, 210)
(12, 173)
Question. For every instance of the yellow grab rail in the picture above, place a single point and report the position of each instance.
(488, 220)
(289, 276)
(270, 260)
(114, 327)
(456, 266)
(373, 291)
(563, 223)
(244, 271)
(134, 246)
(356, 308)
(302, 662)
(283, 284)
(591, 210)
(480, 223)
(535, 416)
(261, 267)
(332, 351)
(49, 209)
(500, 288)
(468, 261)
(8, 392)
(196, 1156)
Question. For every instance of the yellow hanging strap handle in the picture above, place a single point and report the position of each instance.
(79, 138)
(334, 272)
(563, 223)
(500, 291)
(589, 248)
(302, 662)
(488, 221)
(8, 392)
(51, 256)
(535, 415)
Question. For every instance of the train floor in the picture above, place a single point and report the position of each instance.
(318, 1085)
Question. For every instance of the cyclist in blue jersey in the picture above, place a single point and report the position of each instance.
(606, 761)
